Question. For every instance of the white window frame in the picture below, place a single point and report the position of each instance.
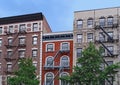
(35, 40)
(36, 52)
(78, 52)
(22, 29)
(79, 23)
(61, 46)
(1, 42)
(46, 63)
(90, 23)
(67, 61)
(61, 76)
(10, 41)
(9, 66)
(34, 28)
(110, 21)
(79, 38)
(23, 54)
(89, 39)
(50, 44)
(10, 29)
(102, 21)
(46, 75)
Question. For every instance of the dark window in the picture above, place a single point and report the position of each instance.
(101, 36)
(1, 30)
(90, 22)
(49, 79)
(110, 48)
(22, 28)
(49, 61)
(102, 21)
(110, 21)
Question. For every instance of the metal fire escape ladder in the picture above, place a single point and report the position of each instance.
(61, 68)
(55, 57)
(109, 37)
(106, 48)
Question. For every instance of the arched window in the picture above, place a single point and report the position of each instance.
(90, 22)
(79, 23)
(110, 21)
(49, 79)
(62, 82)
(102, 21)
(64, 61)
(49, 61)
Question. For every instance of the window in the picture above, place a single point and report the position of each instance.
(62, 81)
(0, 30)
(21, 53)
(110, 21)
(9, 67)
(64, 61)
(111, 35)
(9, 53)
(0, 67)
(10, 29)
(35, 64)
(79, 24)
(35, 27)
(79, 51)
(49, 61)
(90, 23)
(22, 41)
(65, 46)
(10, 41)
(101, 36)
(103, 51)
(34, 53)
(49, 79)
(109, 62)
(90, 37)
(35, 40)
(102, 66)
(110, 48)
(22, 28)
(49, 47)
(0, 42)
(79, 38)
(102, 21)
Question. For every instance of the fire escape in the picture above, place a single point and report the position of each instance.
(56, 66)
(110, 39)
(13, 43)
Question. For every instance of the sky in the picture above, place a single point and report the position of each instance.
(59, 13)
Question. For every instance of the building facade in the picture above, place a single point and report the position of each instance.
(57, 58)
(21, 37)
(102, 27)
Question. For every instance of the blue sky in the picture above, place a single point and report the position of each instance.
(59, 13)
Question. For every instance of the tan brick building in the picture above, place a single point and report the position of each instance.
(101, 26)
(20, 37)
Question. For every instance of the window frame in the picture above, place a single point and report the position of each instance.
(22, 28)
(90, 39)
(110, 21)
(67, 74)
(90, 23)
(79, 23)
(10, 29)
(51, 78)
(49, 49)
(78, 53)
(34, 28)
(62, 61)
(47, 64)
(1, 42)
(35, 40)
(1, 30)
(65, 48)
(21, 52)
(22, 40)
(79, 38)
(102, 21)
(36, 54)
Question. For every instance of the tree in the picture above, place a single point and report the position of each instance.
(25, 75)
(88, 70)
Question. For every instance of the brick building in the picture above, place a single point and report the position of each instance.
(101, 26)
(20, 37)
(57, 57)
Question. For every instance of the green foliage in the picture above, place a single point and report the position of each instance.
(25, 74)
(87, 71)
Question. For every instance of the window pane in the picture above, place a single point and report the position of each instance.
(10, 41)
(34, 40)
(79, 50)
(35, 27)
(10, 29)
(34, 53)
(101, 36)
(110, 48)
(9, 54)
(110, 21)
(90, 37)
(22, 28)
(65, 46)
(50, 61)
(102, 22)
(90, 23)
(21, 53)
(79, 24)
(50, 47)
(21, 41)
(62, 81)
(79, 38)
(9, 67)
(64, 62)
(49, 78)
